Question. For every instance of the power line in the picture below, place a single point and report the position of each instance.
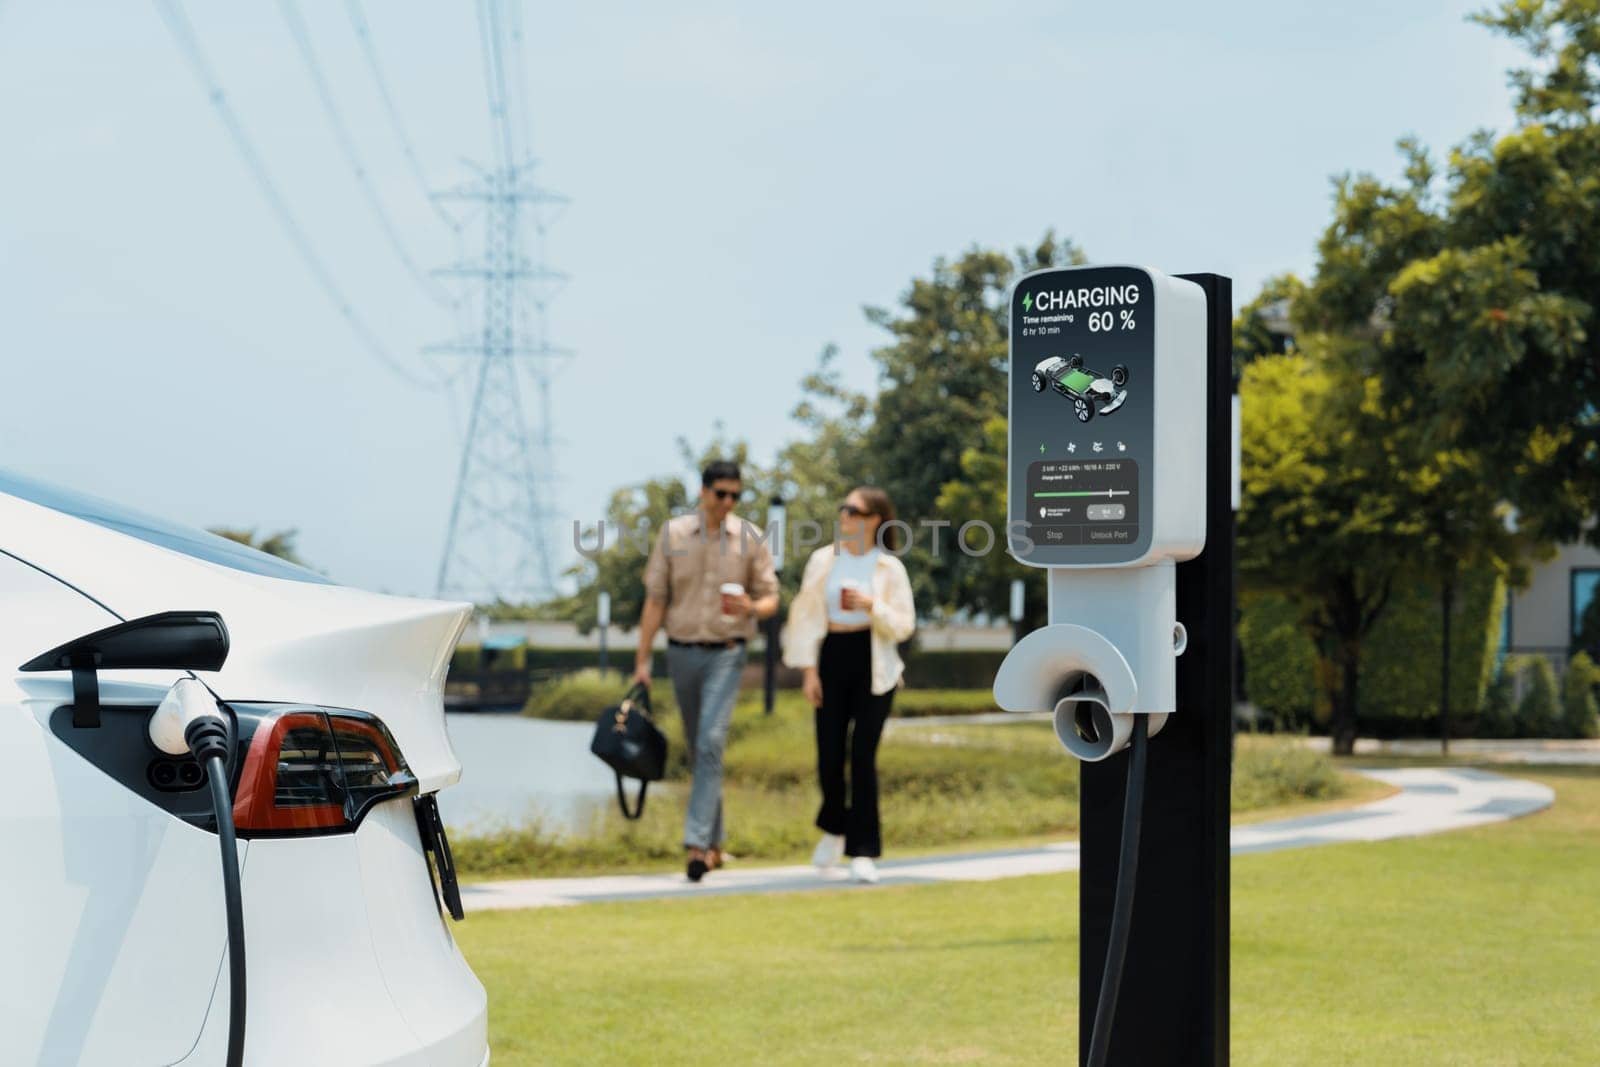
(358, 21)
(494, 78)
(519, 77)
(347, 144)
(182, 30)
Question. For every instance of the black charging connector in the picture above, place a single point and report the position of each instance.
(1122, 908)
(210, 740)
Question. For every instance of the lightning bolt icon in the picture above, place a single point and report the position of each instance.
(1027, 302)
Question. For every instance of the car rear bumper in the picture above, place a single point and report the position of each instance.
(350, 961)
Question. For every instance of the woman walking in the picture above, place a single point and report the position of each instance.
(853, 608)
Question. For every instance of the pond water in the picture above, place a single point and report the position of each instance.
(516, 770)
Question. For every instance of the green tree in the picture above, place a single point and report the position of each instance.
(1476, 291)
(1464, 527)
(1264, 326)
(1467, 297)
(615, 557)
(501, 610)
(280, 544)
(614, 563)
(1323, 520)
(984, 583)
(944, 379)
(816, 470)
(757, 480)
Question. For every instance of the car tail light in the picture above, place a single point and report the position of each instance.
(313, 770)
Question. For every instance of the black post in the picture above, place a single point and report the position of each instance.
(778, 528)
(604, 651)
(1173, 1007)
(1446, 609)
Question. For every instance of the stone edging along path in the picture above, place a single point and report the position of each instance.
(1430, 800)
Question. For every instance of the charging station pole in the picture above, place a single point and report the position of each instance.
(1175, 990)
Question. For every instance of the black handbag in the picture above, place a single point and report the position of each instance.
(630, 744)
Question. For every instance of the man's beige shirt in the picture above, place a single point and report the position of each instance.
(688, 566)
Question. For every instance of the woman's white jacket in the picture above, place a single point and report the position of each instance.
(894, 616)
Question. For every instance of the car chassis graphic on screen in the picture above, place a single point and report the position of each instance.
(1089, 392)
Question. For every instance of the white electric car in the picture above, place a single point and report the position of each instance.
(114, 929)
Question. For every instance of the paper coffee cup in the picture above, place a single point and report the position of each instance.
(730, 590)
(845, 588)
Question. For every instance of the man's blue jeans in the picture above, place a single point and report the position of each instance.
(705, 681)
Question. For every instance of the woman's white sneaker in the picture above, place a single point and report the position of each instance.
(862, 869)
(828, 851)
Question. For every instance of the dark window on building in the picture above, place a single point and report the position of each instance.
(1586, 609)
(1503, 647)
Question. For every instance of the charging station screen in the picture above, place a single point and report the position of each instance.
(1081, 416)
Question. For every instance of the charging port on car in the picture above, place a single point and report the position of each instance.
(175, 775)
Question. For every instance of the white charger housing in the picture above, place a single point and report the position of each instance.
(1106, 488)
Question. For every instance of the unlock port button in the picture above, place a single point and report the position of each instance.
(1116, 535)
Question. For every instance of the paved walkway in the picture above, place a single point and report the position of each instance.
(1431, 800)
(1510, 750)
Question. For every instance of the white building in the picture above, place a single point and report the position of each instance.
(1543, 618)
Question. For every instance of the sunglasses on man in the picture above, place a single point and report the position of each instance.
(728, 494)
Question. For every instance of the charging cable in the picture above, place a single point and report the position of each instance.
(189, 720)
(1122, 909)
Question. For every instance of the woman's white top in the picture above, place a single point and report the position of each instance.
(893, 616)
(854, 571)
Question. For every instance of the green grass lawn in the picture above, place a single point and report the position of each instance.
(942, 787)
(1474, 947)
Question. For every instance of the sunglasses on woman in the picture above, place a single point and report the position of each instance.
(853, 512)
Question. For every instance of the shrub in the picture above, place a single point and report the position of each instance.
(1279, 664)
(941, 785)
(1401, 657)
(925, 668)
(546, 661)
(1498, 715)
(951, 668)
(1399, 685)
(476, 657)
(1580, 713)
(1268, 772)
(1538, 715)
(582, 695)
(915, 703)
(531, 850)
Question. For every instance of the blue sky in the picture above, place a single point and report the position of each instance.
(744, 178)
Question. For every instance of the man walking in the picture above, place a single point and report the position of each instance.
(709, 578)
